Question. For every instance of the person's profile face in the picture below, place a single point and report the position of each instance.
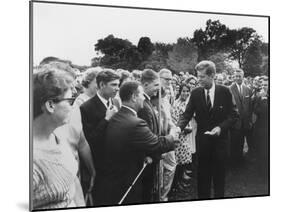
(204, 80)
(166, 80)
(238, 77)
(62, 109)
(111, 88)
(152, 88)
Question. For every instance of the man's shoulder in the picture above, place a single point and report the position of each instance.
(90, 102)
(197, 90)
(223, 88)
(146, 108)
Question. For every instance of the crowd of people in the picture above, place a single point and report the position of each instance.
(109, 137)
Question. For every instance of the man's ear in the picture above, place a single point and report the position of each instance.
(49, 106)
(134, 97)
(101, 85)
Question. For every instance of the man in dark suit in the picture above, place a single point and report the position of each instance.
(128, 141)
(215, 114)
(150, 82)
(96, 112)
(242, 128)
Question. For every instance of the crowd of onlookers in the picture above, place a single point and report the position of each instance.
(81, 121)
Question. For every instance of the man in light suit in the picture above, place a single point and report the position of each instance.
(150, 82)
(242, 127)
(128, 141)
(215, 114)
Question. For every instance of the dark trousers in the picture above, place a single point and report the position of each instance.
(148, 183)
(237, 139)
(212, 154)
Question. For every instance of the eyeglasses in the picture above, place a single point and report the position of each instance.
(70, 100)
(167, 79)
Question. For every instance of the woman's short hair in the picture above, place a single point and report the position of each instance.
(89, 75)
(124, 74)
(207, 65)
(128, 89)
(136, 74)
(50, 82)
(106, 76)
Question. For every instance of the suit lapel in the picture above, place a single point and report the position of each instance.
(155, 120)
(237, 93)
(216, 97)
(101, 109)
(204, 102)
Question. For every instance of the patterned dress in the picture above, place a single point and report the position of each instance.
(54, 174)
(184, 151)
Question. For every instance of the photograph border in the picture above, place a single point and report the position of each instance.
(31, 39)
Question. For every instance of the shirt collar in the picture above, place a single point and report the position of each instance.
(146, 96)
(104, 101)
(238, 85)
(212, 89)
(131, 109)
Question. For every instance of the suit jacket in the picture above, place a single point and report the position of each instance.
(94, 124)
(147, 113)
(128, 140)
(224, 112)
(244, 105)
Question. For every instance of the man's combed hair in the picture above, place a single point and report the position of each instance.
(128, 89)
(148, 75)
(207, 65)
(164, 71)
(106, 76)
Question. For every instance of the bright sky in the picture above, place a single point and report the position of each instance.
(71, 31)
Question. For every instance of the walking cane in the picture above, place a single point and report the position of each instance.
(147, 161)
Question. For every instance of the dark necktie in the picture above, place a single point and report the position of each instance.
(209, 104)
(108, 103)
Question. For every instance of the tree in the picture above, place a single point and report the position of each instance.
(111, 45)
(253, 59)
(183, 57)
(145, 47)
(163, 49)
(211, 40)
(223, 63)
(242, 40)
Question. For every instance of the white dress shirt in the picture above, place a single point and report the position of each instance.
(240, 88)
(104, 101)
(211, 93)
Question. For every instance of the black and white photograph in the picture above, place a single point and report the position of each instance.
(136, 105)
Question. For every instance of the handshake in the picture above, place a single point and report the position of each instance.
(176, 131)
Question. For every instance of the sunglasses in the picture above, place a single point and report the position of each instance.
(69, 100)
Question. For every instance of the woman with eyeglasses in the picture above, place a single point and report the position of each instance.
(54, 184)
